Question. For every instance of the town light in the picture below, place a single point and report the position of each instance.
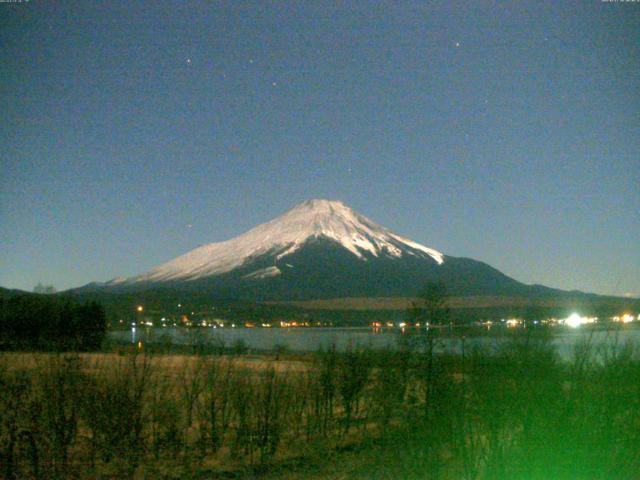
(574, 320)
(139, 308)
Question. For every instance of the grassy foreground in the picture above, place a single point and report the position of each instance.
(512, 411)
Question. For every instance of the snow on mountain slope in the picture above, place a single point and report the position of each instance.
(286, 234)
(264, 273)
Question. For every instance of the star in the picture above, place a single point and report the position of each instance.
(457, 44)
(274, 84)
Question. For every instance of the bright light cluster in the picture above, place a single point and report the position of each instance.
(626, 318)
(574, 320)
(513, 322)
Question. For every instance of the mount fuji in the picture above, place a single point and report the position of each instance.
(319, 249)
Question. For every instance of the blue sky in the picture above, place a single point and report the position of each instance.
(506, 132)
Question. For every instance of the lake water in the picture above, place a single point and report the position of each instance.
(312, 339)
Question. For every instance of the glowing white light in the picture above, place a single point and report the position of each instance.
(574, 320)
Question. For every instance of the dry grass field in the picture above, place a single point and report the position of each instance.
(514, 412)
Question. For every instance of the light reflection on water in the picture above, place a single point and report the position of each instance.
(312, 339)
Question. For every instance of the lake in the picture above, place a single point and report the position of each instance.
(312, 339)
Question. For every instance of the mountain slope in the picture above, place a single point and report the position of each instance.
(319, 249)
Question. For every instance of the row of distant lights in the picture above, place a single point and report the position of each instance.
(188, 324)
(574, 321)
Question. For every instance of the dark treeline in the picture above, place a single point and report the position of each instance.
(39, 322)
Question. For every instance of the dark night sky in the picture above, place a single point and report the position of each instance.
(508, 132)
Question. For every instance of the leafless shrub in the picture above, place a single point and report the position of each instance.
(165, 428)
(322, 393)
(115, 410)
(301, 386)
(272, 402)
(57, 403)
(390, 381)
(260, 402)
(239, 347)
(191, 381)
(353, 370)
(215, 407)
(241, 404)
(15, 393)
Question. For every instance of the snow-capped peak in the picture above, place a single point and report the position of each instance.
(287, 233)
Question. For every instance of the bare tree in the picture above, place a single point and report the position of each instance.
(44, 289)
